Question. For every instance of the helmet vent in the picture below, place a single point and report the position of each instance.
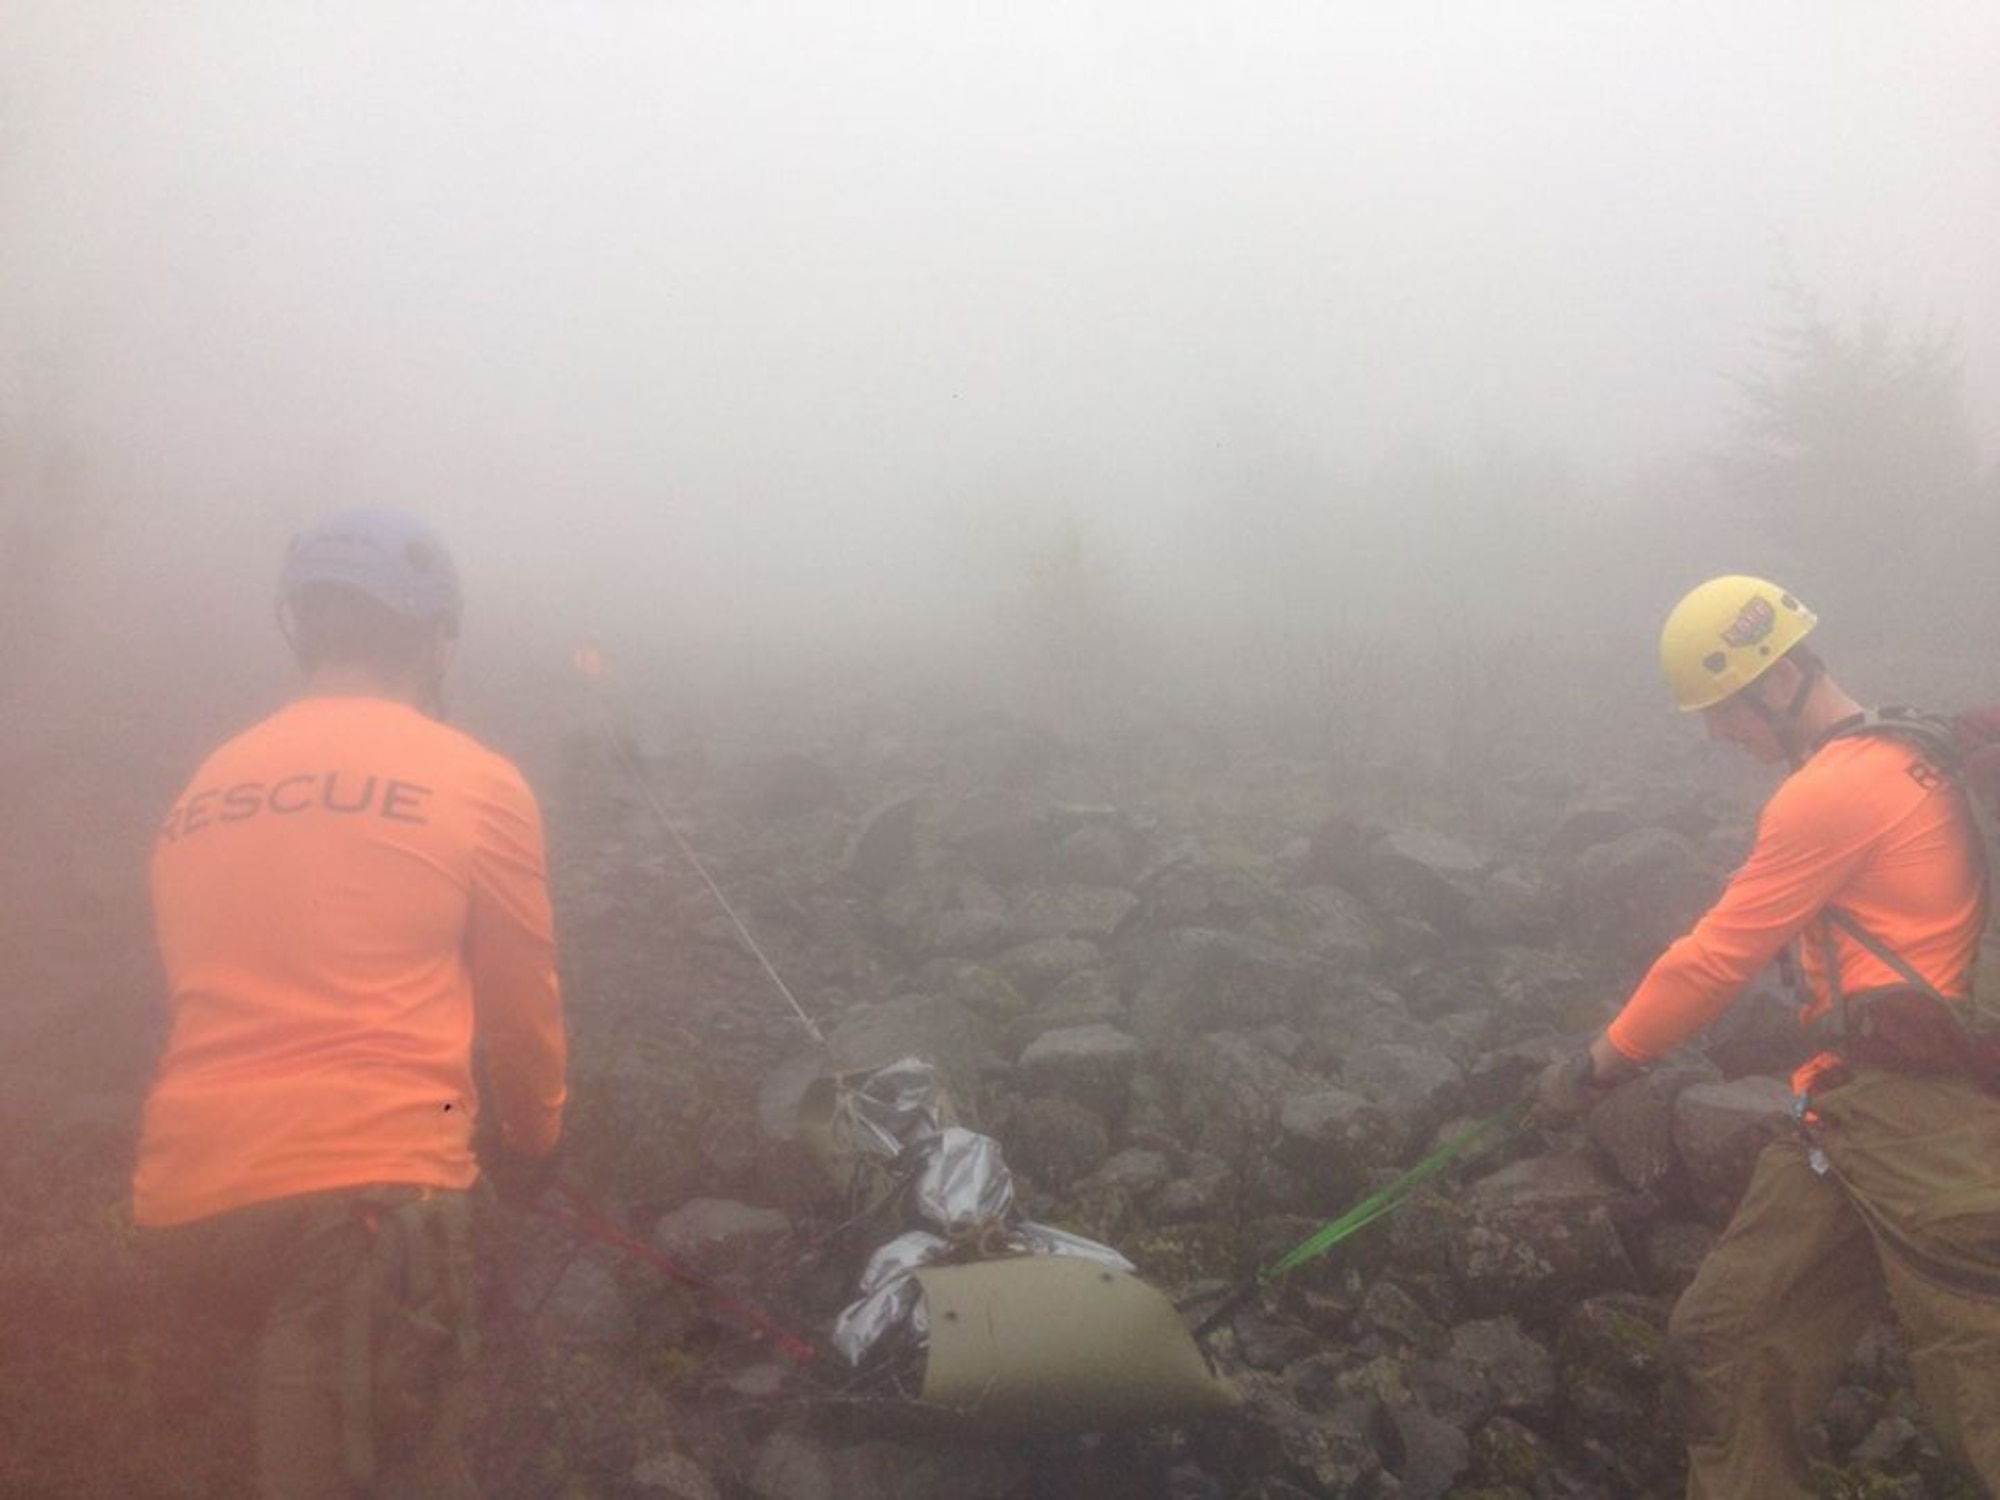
(1715, 661)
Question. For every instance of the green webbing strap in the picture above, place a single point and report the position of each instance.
(1383, 1201)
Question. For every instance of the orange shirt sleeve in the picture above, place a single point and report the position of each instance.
(510, 953)
(1815, 832)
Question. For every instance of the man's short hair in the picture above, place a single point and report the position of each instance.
(333, 625)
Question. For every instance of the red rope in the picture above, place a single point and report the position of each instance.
(585, 1218)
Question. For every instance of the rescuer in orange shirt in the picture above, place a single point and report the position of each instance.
(1888, 1199)
(344, 896)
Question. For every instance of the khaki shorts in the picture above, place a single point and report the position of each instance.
(361, 1305)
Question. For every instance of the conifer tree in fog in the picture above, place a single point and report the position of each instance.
(1853, 456)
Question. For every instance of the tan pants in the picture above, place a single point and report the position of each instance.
(1907, 1221)
(360, 1303)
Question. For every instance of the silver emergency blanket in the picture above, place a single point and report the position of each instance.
(893, 1108)
(890, 1296)
(965, 1183)
(962, 1198)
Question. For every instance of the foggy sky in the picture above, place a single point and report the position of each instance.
(698, 310)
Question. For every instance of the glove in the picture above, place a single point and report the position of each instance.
(521, 1180)
(1565, 1089)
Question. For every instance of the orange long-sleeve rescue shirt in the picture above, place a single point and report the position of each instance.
(1868, 825)
(344, 894)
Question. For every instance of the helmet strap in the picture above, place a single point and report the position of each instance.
(288, 628)
(1784, 723)
(432, 700)
(433, 703)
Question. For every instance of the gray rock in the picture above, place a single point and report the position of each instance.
(1520, 1372)
(1073, 911)
(1421, 874)
(1720, 1129)
(1433, 1453)
(1332, 924)
(1513, 1461)
(1189, 886)
(956, 915)
(1588, 825)
(670, 1476)
(1197, 979)
(1327, 1453)
(1056, 1142)
(1264, 1342)
(979, 988)
(1333, 1138)
(1516, 902)
(1208, 1191)
(1612, 1392)
(586, 1307)
(1633, 1127)
(1087, 996)
(1394, 1318)
(1351, 1014)
(1095, 854)
(1038, 967)
(1890, 1440)
(968, 932)
(883, 850)
(719, 1233)
(1452, 1390)
(791, 1465)
(1228, 1092)
(1002, 836)
(1415, 1086)
(1093, 1064)
(764, 1380)
(1136, 1171)
(876, 1034)
(1674, 1251)
(1631, 896)
(1539, 1236)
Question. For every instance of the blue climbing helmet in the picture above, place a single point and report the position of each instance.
(389, 555)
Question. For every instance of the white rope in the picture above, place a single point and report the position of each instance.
(637, 773)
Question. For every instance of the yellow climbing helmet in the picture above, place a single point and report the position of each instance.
(1725, 634)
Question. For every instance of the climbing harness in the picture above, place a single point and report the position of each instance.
(1376, 1205)
(1915, 1022)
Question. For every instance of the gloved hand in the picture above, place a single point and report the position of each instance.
(518, 1179)
(1565, 1089)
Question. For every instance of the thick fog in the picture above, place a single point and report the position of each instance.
(1129, 521)
(715, 323)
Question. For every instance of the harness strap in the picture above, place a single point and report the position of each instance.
(1905, 970)
(1840, 1024)
(1836, 1022)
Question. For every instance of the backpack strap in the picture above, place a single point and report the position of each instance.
(1928, 732)
(1934, 738)
(1905, 970)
